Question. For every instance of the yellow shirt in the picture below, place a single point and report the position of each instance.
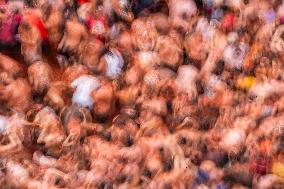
(246, 82)
(278, 169)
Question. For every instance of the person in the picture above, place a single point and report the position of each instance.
(9, 24)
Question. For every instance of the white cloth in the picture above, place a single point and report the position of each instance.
(84, 86)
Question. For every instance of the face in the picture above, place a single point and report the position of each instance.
(195, 46)
(143, 34)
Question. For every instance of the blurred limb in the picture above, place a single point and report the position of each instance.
(15, 145)
(50, 177)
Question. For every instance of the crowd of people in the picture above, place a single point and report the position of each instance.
(154, 94)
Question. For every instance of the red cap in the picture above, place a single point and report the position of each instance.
(228, 21)
(91, 22)
(40, 25)
(80, 2)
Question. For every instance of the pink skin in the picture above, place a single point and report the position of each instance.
(277, 42)
(187, 74)
(200, 46)
(90, 53)
(16, 94)
(143, 39)
(133, 75)
(85, 10)
(182, 108)
(40, 76)
(78, 126)
(187, 140)
(73, 72)
(170, 54)
(124, 11)
(57, 94)
(180, 12)
(104, 100)
(15, 130)
(161, 22)
(128, 96)
(155, 80)
(72, 37)
(30, 37)
(253, 9)
(145, 60)
(155, 119)
(157, 106)
(217, 46)
(54, 22)
(125, 43)
(10, 66)
(51, 131)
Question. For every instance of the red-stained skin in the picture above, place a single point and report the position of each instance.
(147, 129)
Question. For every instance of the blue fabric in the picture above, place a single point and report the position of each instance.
(270, 15)
(141, 5)
(221, 186)
(202, 176)
(208, 3)
(217, 14)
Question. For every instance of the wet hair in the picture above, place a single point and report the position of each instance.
(25, 26)
(246, 2)
(168, 165)
(147, 173)
(29, 3)
(121, 178)
(129, 141)
(219, 67)
(104, 185)
(107, 136)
